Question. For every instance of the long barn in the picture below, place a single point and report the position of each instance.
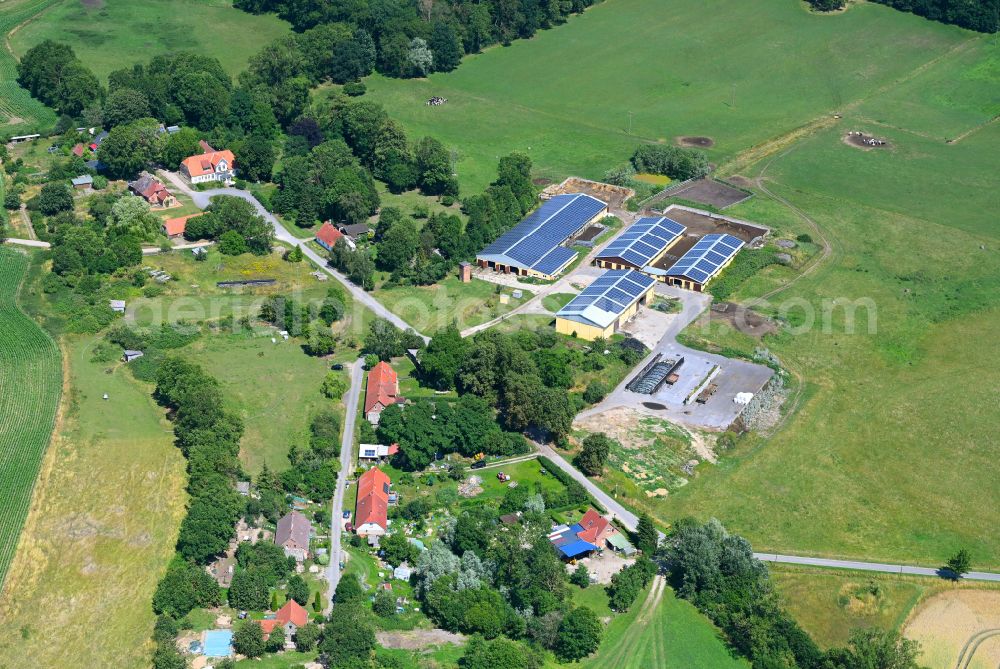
(641, 245)
(604, 306)
(703, 261)
(534, 247)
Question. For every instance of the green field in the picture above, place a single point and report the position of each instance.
(19, 112)
(275, 388)
(830, 603)
(30, 384)
(110, 35)
(664, 632)
(429, 308)
(102, 528)
(567, 96)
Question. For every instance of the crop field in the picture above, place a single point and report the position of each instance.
(569, 96)
(662, 631)
(19, 112)
(102, 526)
(110, 35)
(959, 628)
(31, 380)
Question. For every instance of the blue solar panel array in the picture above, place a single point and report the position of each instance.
(705, 258)
(534, 242)
(644, 240)
(607, 297)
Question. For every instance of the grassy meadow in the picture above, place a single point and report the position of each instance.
(569, 97)
(19, 112)
(661, 631)
(109, 35)
(829, 603)
(429, 308)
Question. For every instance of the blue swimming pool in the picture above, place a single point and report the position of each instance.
(218, 643)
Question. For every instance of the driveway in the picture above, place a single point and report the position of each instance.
(346, 467)
(202, 199)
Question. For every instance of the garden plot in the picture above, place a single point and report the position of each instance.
(656, 455)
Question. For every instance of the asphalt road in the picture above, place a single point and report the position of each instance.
(202, 200)
(624, 517)
(346, 467)
(872, 566)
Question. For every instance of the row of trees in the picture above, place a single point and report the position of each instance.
(209, 436)
(414, 39)
(52, 73)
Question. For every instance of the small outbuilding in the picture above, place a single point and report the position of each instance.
(129, 356)
(117, 305)
(83, 182)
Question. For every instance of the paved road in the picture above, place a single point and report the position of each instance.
(346, 467)
(202, 200)
(34, 243)
(872, 566)
(624, 517)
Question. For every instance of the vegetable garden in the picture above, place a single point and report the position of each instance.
(30, 383)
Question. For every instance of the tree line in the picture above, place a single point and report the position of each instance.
(979, 15)
(415, 39)
(717, 572)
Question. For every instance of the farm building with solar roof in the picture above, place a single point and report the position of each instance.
(642, 244)
(534, 247)
(606, 304)
(703, 261)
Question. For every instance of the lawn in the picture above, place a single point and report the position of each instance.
(102, 527)
(275, 387)
(30, 363)
(108, 36)
(668, 634)
(568, 96)
(830, 603)
(429, 308)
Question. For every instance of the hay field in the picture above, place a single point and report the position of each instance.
(958, 624)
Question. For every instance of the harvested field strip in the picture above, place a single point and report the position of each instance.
(30, 383)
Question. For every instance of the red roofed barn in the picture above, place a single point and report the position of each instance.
(381, 391)
(291, 616)
(210, 166)
(371, 517)
(328, 235)
(174, 227)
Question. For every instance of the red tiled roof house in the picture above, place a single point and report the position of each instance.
(209, 166)
(292, 534)
(371, 516)
(596, 528)
(291, 617)
(152, 191)
(328, 235)
(381, 391)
